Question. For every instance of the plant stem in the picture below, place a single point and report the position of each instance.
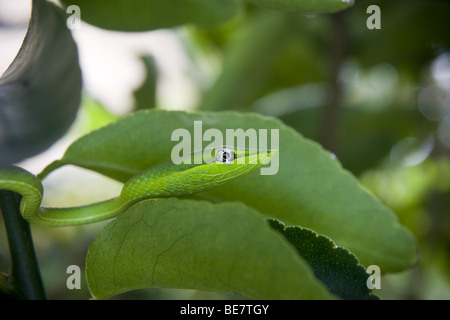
(330, 117)
(25, 274)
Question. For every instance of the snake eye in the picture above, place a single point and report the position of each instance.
(225, 155)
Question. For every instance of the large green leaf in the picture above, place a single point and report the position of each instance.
(173, 243)
(310, 189)
(305, 6)
(40, 92)
(142, 15)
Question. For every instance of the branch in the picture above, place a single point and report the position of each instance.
(26, 278)
(330, 117)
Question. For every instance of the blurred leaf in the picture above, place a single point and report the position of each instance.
(145, 95)
(248, 62)
(415, 30)
(170, 243)
(96, 115)
(335, 267)
(261, 57)
(405, 188)
(310, 189)
(143, 15)
(377, 131)
(40, 92)
(305, 6)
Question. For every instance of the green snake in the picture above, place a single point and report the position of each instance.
(221, 165)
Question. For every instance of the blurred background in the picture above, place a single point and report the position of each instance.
(378, 99)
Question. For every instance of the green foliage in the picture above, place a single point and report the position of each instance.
(278, 51)
(279, 69)
(142, 140)
(143, 15)
(415, 32)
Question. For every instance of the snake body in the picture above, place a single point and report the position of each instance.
(163, 180)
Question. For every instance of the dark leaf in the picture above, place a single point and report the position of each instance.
(40, 92)
(335, 266)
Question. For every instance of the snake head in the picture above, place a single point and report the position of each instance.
(224, 164)
(200, 171)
